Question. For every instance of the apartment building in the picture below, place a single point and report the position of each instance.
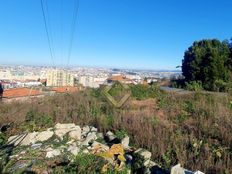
(59, 78)
(92, 82)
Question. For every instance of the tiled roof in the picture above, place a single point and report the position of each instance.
(117, 78)
(65, 89)
(20, 92)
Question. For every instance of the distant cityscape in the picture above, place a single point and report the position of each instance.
(32, 76)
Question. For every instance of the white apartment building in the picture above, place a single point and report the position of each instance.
(92, 82)
(5, 75)
(59, 78)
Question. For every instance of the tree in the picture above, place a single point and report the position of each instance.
(207, 61)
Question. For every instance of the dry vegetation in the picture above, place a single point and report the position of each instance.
(194, 130)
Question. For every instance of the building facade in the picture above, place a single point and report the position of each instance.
(59, 78)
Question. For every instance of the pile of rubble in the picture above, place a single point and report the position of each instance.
(22, 151)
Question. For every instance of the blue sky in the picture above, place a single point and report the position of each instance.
(145, 34)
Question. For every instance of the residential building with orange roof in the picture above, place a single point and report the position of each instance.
(66, 89)
(20, 92)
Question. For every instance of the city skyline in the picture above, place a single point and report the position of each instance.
(130, 34)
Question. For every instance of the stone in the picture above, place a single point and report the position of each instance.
(145, 154)
(86, 151)
(142, 158)
(29, 139)
(73, 149)
(177, 169)
(43, 136)
(198, 172)
(23, 139)
(86, 129)
(90, 137)
(93, 129)
(100, 135)
(152, 164)
(64, 126)
(125, 142)
(75, 134)
(99, 147)
(52, 153)
(110, 135)
(50, 129)
(36, 146)
(16, 139)
(63, 129)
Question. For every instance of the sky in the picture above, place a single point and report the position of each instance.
(138, 34)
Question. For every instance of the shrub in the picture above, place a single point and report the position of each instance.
(194, 86)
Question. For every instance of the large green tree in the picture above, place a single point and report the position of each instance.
(208, 62)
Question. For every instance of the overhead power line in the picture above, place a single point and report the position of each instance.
(73, 26)
(47, 33)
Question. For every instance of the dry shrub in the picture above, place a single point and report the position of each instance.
(193, 129)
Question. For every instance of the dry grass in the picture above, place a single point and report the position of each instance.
(194, 130)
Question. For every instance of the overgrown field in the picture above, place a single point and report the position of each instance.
(194, 129)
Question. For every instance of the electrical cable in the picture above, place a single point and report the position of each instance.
(75, 14)
(47, 33)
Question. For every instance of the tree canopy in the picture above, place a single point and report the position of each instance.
(207, 62)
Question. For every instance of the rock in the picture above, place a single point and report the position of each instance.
(63, 129)
(29, 139)
(64, 126)
(198, 172)
(86, 151)
(90, 137)
(110, 135)
(43, 136)
(99, 147)
(152, 164)
(36, 146)
(52, 153)
(177, 169)
(125, 142)
(23, 139)
(86, 129)
(75, 134)
(93, 129)
(142, 159)
(73, 149)
(50, 129)
(16, 139)
(145, 154)
(100, 135)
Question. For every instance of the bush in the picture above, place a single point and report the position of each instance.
(35, 121)
(194, 86)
